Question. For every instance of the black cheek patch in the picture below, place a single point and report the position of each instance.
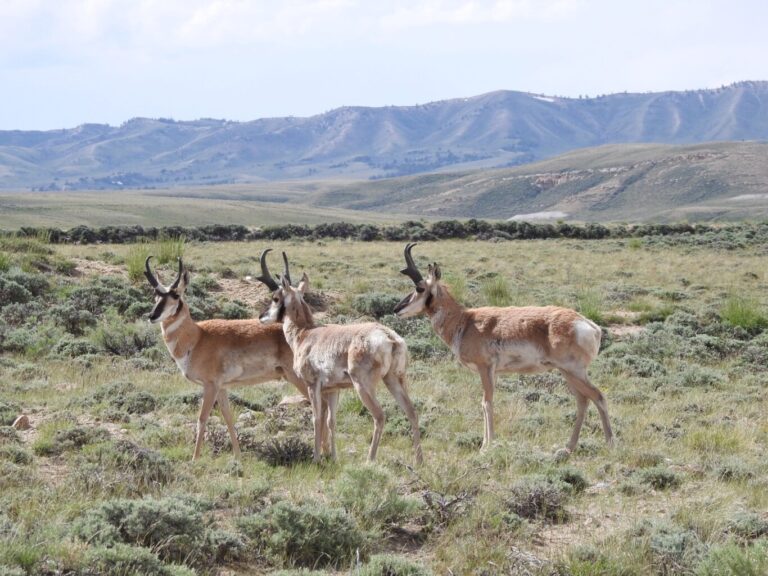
(429, 301)
(281, 313)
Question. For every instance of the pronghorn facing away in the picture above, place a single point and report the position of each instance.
(513, 339)
(335, 356)
(218, 354)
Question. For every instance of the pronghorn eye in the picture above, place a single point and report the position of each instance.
(419, 289)
(275, 299)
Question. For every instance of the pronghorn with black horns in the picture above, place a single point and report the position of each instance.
(335, 356)
(514, 339)
(218, 354)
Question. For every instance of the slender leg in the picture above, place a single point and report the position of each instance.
(316, 399)
(488, 379)
(209, 396)
(367, 392)
(226, 411)
(324, 448)
(330, 429)
(583, 389)
(397, 386)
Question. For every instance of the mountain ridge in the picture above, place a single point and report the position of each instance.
(493, 130)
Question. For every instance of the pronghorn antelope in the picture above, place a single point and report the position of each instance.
(513, 339)
(218, 354)
(331, 357)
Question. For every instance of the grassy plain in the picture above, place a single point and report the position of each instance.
(174, 207)
(684, 491)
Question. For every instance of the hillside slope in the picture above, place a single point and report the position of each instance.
(492, 130)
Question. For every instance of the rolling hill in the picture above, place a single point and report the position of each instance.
(499, 129)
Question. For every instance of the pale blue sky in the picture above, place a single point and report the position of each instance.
(68, 62)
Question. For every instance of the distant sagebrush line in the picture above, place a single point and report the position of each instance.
(406, 231)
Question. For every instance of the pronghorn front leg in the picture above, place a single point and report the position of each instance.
(209, 396)
(332, 400)
(226, 411)
(315, 390)
(488, 379)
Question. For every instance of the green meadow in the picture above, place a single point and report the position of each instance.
(103, 483)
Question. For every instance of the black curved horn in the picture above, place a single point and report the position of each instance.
(410, 270)
(266, 278)
(178, 277)
(286, 272)
(148, 273)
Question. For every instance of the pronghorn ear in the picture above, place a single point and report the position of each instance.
(304, 284)
(285, 281)
(436, 271)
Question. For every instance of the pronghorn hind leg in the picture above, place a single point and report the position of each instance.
(226, 411)
(397, 386)
(579, 384)
(365, 386)
(488, 380)
(209, 397)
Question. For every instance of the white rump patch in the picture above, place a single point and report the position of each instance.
(588, 336)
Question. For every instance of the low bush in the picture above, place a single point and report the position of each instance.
(375, 304)
(539, 497)
(308, 535)
(8, 413)
(173, 527)
(744, 312)
(116, 336)
(673, 549)
(391, 565)
(284, 451)
(748, 525)
(55, 442)
(370, 494)
(123, 560)
(12, 292)
(733, 560)
(658, 478)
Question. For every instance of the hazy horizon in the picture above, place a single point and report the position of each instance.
(72, 62)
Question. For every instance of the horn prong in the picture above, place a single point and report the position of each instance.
(266, 278)
(286, 271)
(411, 270)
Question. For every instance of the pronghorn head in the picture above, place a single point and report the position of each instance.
(284, 296)
(167, 299)
(418, 301)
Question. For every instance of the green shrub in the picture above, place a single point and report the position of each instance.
(15, 454)
(658, 478)
(748, 525)
(495, 291)
(391, 565)
(284, 451)
(8, 434)
(570, 476)
(116, 336)
(541, 497)
(307, 535)
(8, 413)
(370, 494)
(53, 442)
(743, 312)
(12, 292)
(123, 560)
(733, 469)
(589, 303)
(170, 249)
(235, 310)
(375, 304)
(173, 527)
(134, 262)
(5, 262)
(74, 320)
(673, 550)
(733, 560)
(69, 347)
